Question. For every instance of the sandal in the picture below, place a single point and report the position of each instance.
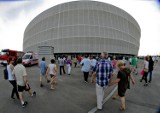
(52, 88)
(114, 98)
(122, 109)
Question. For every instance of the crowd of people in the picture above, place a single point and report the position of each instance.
(102, 72)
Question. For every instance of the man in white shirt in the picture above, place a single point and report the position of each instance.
(109, 59)
(61, 63)
(124, 61)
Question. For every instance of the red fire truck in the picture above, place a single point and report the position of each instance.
(7, 53)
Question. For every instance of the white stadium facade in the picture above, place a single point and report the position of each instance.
(84, 27)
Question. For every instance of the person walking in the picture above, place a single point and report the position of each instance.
(114, 63)
(134, 65)
(20, 74)
(69, 64)
(146, 69)
(75, 62)
(109, 58)
(130, 61)
(151, 64)
(11, 79)
(123, 80)
(103, 73)
(93, 62)
(79, 60)
(124, 61)
(86, 65)
(61, 62)
(43, 69)
(52, 71)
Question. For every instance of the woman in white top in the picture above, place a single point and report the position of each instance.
(146, 66)
(11, 79)
(52, 71)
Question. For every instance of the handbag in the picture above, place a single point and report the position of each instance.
(5, 74)
(127, 72)
(142, 72)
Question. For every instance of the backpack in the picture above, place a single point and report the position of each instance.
(127, 71)
(5, 73)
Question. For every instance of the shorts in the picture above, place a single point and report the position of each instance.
(22, 88)
(42, 74)
(52, 75)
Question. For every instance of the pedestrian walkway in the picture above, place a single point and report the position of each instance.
(139, 99)
(72, 95)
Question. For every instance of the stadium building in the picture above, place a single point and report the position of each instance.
(81, 27)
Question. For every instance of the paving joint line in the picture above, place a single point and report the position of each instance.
(105, 100)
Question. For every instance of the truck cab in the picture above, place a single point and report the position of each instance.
(7, 53)
(4, 57)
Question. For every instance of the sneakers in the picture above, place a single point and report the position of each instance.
(25, 104)
(41, 85)
(99, 109)
(13, 98)
(146, 84)
(48, 81)
(34, 93)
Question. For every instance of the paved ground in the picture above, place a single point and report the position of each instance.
(139, 99)
(72, 95)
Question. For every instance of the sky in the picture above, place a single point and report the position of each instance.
(15, 15)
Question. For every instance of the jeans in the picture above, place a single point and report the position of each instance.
(14, 90)
(158, 111)
(150, 76)
(62, 67)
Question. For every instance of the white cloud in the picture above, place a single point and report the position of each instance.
(12, 27)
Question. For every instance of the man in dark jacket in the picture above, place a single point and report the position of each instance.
(151, 64)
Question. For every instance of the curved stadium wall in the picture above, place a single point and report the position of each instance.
(84, 27)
